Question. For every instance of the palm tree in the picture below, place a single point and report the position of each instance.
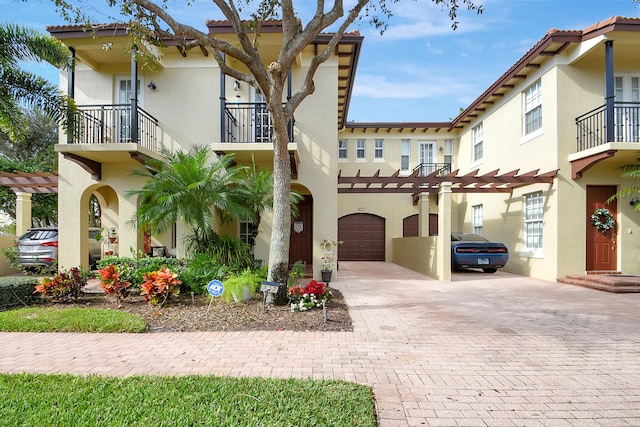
(187, 186)
(631, 171)
(20, 89)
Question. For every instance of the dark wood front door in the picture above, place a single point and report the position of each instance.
(301, 242)
(601, 247)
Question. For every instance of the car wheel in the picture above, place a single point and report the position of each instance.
(489, 270)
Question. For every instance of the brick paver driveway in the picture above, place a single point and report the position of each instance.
(482, 350)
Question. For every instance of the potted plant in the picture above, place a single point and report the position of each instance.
(328, 257)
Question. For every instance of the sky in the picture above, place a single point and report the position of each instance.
(419, 70)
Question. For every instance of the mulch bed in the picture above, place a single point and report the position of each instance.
(186, 314)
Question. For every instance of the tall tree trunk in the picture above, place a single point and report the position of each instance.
(281, 227)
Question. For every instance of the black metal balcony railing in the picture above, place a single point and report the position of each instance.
(249, 122)
(592, 126)
(104, 124)
(426, 169)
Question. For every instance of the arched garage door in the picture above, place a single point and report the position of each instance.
(362, 236)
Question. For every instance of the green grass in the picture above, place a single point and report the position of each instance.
(65, 400)
(42, 319)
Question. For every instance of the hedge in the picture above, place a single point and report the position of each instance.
(16, 290)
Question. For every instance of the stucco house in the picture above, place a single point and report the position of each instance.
(527, 163)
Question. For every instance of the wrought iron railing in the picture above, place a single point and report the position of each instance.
(592, 126)
(439, 169)
(105, 124)
(249, 122)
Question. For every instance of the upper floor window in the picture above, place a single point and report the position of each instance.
(533, 210)
(360, 149)
(342, 149)
(533, 108)
(405, 155)
(478, 220)
(378, 149)
(448, 153)
(477, 143)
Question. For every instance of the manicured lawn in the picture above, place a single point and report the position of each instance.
(43, 319)
(64, 400)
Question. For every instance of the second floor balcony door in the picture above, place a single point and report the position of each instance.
(122, 112)
(426, 157)
(627, 120)
(262, 124)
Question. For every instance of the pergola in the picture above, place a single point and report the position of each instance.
(443, 184)
(25, 184)
(492, 182)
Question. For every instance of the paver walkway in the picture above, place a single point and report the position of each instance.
(482, 350)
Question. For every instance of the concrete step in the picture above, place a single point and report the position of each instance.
(616, 283)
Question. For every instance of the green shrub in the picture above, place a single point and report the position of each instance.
(16, 290)
(227, 250)
(296, 274)
(200, 270)
(234, 284)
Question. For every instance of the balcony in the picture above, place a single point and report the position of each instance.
(247, 132)
(108, 124)
(592, 126)
(436, 169)
(596, 142)
(249, 122)
(103, 134)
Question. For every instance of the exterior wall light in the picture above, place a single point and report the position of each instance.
(152, 85)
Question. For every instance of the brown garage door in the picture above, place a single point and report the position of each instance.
(362, 236)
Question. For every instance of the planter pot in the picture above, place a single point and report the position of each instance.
(326, 275)
(246, 295)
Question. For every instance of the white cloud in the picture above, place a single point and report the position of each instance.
(409, 86)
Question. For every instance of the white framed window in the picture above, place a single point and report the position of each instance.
(448, 153)
(378, 150)
(405, 155)
(533, 211)
(342, 149)
(533, 108)
(478, 142)
(361, 153)
(478, 220)
(246, 229)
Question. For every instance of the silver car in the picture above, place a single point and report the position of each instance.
(38, 247)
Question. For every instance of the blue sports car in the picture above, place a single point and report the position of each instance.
(474, 251)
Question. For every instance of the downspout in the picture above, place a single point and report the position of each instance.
(289, 91)
(609, 91)
(223, 102)
(71, 86)
(133, 136)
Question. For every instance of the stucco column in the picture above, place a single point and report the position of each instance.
(23, 213)
(444, 232)
(423, 215)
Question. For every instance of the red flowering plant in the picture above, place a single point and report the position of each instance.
(64, 287)
(315, 294)
(159, 285)
(112, 284)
